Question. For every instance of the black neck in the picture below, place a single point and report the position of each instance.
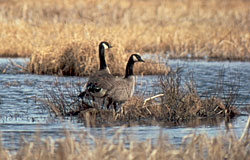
(103, 64)
(129, 68)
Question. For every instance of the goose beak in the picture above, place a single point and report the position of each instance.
(110, 46)
(141, 60)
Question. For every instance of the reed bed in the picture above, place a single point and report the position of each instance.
(80, 58)
(86, 146)
(176, 102)
(47, 30)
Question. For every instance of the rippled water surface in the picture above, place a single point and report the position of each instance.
(22, 114)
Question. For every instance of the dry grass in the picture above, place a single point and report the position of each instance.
(79, 58)
(50, 31)
(178, 103)
(86, 146)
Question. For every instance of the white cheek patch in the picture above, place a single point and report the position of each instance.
(105, 46)
(135, 59)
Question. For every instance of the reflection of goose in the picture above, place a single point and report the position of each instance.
(99, 82)
(123, 88)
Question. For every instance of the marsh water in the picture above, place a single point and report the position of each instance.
(22, 115)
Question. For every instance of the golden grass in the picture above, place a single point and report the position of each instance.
(44, 30)
(79, 147)
(79, 58)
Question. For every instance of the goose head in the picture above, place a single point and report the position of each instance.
(136, 58)
(130, 65)
(105, 45)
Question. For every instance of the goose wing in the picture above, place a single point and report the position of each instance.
(99, 83)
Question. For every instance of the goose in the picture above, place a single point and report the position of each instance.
(99, 82)
(123, 88)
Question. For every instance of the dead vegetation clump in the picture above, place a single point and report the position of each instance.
(182, 101)
(61, 100)
(69, 60)
(177, 103)
(81, 58)
(86, 146)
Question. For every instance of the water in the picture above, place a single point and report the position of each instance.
(207, 74)
(23, 116)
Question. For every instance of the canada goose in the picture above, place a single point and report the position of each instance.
(123, 88)
(99, 81)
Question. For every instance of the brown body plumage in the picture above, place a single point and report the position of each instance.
(123, 88)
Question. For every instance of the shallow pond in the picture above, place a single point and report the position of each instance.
(22, 114)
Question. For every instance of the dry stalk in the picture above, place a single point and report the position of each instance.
(84, 145)
(245, 133)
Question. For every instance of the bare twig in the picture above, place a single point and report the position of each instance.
(5, 69)
(18, 65)
(150, 98)
(246, 130)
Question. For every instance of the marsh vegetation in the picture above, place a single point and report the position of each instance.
(85, 146)
(177, 101)
(61, 37)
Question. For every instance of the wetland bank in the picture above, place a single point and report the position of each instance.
(61, 38)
